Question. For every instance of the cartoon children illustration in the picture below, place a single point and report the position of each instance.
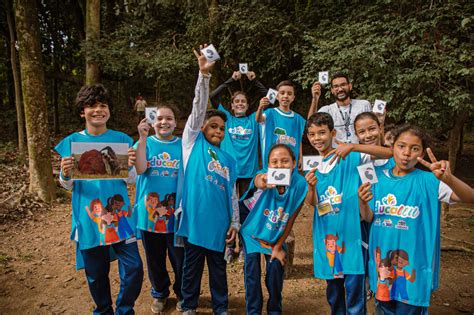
(399, 260)
(95, 213)
(115, 204)
(332, 252)
(109, 222)
(152, 202)
(384, 276)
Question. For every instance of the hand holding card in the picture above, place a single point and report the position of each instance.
(150, 114)
(379, 106)
(210, 53)
(243, 68)
(324, 77)
(279, 176)
(367, 173)
(272, 95)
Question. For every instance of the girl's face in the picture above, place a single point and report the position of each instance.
(240, 105)
(165, 123)
(280, 158)
(321, 138)
(406, 150)
(368, 131)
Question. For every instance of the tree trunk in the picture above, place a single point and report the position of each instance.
(16, 81)
(92, 34)
(34, 97)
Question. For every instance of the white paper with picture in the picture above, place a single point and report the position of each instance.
(323, 77)
(312, 161)
(150, 114)
(379, 106)
(279, 176)
(272, 95)
(99, 160)
(243, 68)
(210, 53)
(367, 173)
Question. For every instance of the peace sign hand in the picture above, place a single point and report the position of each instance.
(440, 169)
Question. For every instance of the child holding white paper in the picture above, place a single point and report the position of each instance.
(93, 224)
(338, 256)
(281, 124)
(158, 163)
(273, 210)
(404, 208)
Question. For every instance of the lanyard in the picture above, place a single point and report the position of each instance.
(347, 122)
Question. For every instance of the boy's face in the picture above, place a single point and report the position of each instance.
(96, 114)
(340, 88)
(406, 150)
(286, 95)
(321, 138)
(213, 130)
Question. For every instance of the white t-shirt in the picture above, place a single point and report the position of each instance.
(343, 133)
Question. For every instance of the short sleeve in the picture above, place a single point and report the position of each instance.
(444, 193)
(64, 147)
(324, 109)
(365, 158)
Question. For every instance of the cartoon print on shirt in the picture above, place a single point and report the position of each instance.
(399, 259)
(333, 252)
(95, 213)
(109, 222)
(384, 276)
(114, 205)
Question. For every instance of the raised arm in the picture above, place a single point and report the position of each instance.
(377, 152)
(215, 95)
(256, 87)
(260, 116)
(141, 163)
(316, 94)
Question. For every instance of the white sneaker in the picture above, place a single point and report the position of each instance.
(189, 312)
(158, 305)
(179, 306)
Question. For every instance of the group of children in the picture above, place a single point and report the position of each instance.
(197, 194)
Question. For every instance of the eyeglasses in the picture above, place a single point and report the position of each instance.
(342, 85)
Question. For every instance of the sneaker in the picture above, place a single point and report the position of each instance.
(179, 306)
(241, 256)
(190, 312)
(370, 295)
(158, 305)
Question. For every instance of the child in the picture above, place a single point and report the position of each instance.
(158, 162)
(338, 256)
(265, 229)
(95, 229)
(208, 199)
(405, 213)
(241, 139)
(281, 125)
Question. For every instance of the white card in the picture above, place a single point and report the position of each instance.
(150, 113)
(379, 106)
(367, 173)
(210, 53)
(324, 77)
(312, 161)
(243, 68)
(272, 95)
(279, 176)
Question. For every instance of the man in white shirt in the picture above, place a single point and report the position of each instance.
(344, 110)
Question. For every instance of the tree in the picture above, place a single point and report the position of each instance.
(16, 82)
(92, 35)
(34, 98)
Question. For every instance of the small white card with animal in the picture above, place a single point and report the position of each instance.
(312, 161)
(243, 68)
(367, 173)
(324, 77)
(379, 106)
(210, 53)
(272, 95)
(279, 176)
(150, 113)
(99, 160)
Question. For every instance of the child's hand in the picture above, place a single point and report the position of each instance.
(251, 75)
(264, 102)
(236, 75)
(143, 128)
(365, 194)
(278, 253)
(231, 235)
(67, 164)
(342, 150)
(261, 182)
(204, 66)
(131, 157)
(440, 169)
(316, 90)
(311, 178)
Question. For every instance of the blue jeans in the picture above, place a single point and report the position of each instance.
(253, 289)
(398, 308)
(97, 266)
(156, 247)
(194, 257)
(347, 295)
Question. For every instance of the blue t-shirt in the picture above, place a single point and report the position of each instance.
(241, 142)
(336, 232)
(156, 188)
(269, 216)
(206, 198)
(404, 238)
(101, 210)
(281, 127)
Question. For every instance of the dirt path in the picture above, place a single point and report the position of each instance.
(37, 272)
